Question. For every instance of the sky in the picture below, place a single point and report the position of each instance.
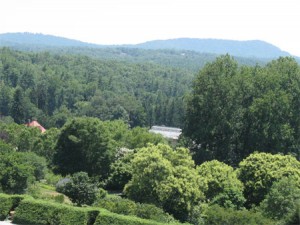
(137, 21)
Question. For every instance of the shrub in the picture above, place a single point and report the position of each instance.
(9, 202)
(108, 218)
(118, 205)
(80, 189)
(128, 207)
(6, 203)
(47, 213)
(215, 215)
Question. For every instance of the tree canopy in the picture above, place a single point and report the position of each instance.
(234, 111)
(84, 145)
(166, 178)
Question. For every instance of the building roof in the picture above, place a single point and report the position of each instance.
(35, 123)
(167, 132)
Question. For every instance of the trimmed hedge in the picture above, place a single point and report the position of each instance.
(7, 203)
(47, 213)
(109, 218)
(128, 207)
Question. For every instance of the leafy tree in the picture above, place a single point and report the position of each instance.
(84, 145)
(15, 174)
(120, 172)
(166, 178)
(209, 109)
(259, 171)
(45, 145)
(283, 199)
(80, 189)
(38, 164)
(18, 108)
(224, 188)
(234, 111)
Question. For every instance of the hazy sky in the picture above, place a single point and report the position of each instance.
(135, 21)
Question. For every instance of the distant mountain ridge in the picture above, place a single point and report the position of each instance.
(13, 39)
(253, 48)
(248, 49)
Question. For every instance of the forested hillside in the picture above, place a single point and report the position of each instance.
(189, 54)
(52, 88)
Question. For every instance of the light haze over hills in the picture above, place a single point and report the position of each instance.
(253, 48)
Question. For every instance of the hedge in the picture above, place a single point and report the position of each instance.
(128, 207)
(47, 213)
(108, 218)
(7, 203)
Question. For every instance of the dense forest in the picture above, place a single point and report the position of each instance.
(237, 161)
(54, 87)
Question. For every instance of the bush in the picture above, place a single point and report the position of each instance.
(128, 207)
(215, 215)
(47, 213)
(79, 189)
(118, 205)
(108, 218)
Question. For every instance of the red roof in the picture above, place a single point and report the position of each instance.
(35, 123)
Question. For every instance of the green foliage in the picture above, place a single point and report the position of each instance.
(127, 207)
(51, 178)
(259, 171)
(80, 189)
(106, 217)
(47, 213)
(216, 215)
(234, 111)
(38, 164)
(15, 174)
(84, 145)
(45, 145)
(20, 137)
(283, 199)
(53, 88)
(120, 172)
(18, 107)
(6, 203)
(140, 137)
(9, 202)
(165, 177)
(224, 188)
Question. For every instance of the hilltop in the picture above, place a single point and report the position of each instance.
(247, 49)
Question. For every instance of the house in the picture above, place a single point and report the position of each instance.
(36, 124)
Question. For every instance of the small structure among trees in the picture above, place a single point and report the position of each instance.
(167, 132)
(36, 124)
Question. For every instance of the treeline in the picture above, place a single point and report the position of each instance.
(236, 110)
(53, 88)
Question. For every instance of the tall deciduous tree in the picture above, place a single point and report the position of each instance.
(84, 145)
(234, 111)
